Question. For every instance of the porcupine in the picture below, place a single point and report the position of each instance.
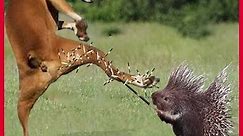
(191, 110)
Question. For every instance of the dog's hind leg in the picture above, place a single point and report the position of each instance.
(31, 87)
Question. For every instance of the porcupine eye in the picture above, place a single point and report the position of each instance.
(166, 99)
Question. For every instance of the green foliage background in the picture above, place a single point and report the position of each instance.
(190, 17)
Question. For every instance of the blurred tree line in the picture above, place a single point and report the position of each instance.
(190, 17)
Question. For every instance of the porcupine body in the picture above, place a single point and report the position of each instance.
(191, 110)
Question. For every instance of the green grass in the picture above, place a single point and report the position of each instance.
(79, 104)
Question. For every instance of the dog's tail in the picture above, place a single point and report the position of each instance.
(88, 1)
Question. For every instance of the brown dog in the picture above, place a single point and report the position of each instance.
(42, 56)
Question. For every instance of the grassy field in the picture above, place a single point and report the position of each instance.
(79, 105)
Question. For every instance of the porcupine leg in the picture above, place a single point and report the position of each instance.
(85, 54)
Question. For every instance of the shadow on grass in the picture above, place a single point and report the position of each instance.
(124, 132)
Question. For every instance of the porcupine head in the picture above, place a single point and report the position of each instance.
(191, 110)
